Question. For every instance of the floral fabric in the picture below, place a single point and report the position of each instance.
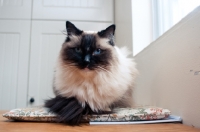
(120, 114)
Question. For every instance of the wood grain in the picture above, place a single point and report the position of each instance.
(7, 126)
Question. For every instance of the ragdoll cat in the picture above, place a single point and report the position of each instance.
(92, 75)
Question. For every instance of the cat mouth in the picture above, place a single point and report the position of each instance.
(88, 68)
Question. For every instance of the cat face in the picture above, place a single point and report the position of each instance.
(88, 50)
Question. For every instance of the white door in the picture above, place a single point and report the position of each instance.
(14, 58)
(17, 9)
(82, 10)
(46, 41)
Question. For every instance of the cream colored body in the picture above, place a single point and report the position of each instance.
(99, 88)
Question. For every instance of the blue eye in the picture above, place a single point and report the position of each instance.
(78, 50)
(97, 52)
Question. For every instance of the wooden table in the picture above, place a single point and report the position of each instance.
(12, 126)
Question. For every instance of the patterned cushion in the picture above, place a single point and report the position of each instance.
(40, 113)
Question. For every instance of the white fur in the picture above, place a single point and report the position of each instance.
(98, 88)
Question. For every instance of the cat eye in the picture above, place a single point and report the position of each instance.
(78, 50)
(97, 52)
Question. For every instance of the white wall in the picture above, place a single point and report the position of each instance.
(123, 21)
(170, 71)
(133, 19)
(142, 24)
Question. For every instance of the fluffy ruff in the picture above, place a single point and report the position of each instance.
(69, 110)
(101, 87)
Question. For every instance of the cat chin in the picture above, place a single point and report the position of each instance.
(86, 72)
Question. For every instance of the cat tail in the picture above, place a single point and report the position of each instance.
(69, 110)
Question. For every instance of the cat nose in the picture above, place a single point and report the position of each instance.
(87, 58)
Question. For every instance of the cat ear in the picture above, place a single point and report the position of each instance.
(72, 29)
(108, 32)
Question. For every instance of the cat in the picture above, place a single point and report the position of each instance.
(92, 75)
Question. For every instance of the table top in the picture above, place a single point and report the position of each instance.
(8, 125)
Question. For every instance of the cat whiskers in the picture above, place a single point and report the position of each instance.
(105, 70)
(70, 69)
(64, 32)
(70, 65)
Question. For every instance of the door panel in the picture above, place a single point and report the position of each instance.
(84, 10)
(14, 55)
(15, 9)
